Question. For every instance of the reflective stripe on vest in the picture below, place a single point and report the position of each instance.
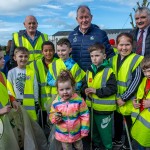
(100, 104)
(45, 89)
(129, 78)
(104, 77)
(124, 78)
(30, 96)
(56, 67)
(28, 100)
(21, 43)
(35, 52)
(104, 101)
(141, 119)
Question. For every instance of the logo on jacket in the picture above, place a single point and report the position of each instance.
(75, 39)
(90, 79)
(105, 122)
(92, 38)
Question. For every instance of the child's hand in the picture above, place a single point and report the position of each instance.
(120, 102)
(5, 110)
(146, 103)
(15, 105)
(136, 103)
(58, 117)
(90, 91)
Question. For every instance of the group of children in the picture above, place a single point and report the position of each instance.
(114, 86)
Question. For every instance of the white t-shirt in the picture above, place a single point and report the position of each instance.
(17, 77)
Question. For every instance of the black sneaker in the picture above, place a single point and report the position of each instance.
(117, 143)
(124, 147)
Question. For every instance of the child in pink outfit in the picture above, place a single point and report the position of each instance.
(70, 113)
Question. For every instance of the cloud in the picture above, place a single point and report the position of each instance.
(52, 6)
(131, 3)
(74, 2)
(17, 5)
(72, 14)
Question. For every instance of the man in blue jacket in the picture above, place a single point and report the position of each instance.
(84, 35)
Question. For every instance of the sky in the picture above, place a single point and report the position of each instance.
(60, 15)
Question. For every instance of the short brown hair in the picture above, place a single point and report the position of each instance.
(21, 49)
(145, 64)
(64, 41)
(97, 47)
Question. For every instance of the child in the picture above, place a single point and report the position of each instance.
(70, 113)
(5, 106)
(140, 130)
(22, 83)
(100, 89)
(65, 62)
(7, 65)
(7, 141)
(128, 74)
(41, 69)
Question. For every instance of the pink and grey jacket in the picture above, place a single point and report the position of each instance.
(75, 116)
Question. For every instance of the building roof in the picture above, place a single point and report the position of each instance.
(108, 31)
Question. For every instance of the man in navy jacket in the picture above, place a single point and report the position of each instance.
(84, 35)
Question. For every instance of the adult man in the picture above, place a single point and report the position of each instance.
(30, 38)
(84, 35)
(142, 19)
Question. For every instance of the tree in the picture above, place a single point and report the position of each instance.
(144, 3)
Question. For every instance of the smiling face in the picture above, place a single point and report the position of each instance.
(2, 61)
(124, 46)
(65, 90)
(48, 52)
(142, 19)
(31, 24)
(146, 72)
(97, 57)
(63, 51)
(21, 58)
(84, 19)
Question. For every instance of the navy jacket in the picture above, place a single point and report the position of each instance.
(80, 43)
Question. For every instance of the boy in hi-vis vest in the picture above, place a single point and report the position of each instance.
(100, 87)
(22, 83)
(140, 130)
(63, 50)
(41, 68)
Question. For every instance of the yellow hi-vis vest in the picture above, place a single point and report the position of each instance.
(41, 74)
(28, 100)
(99, 81)
(35, 52)
(124, 78)
(56, 67)
(4, 97)
(140, 130)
